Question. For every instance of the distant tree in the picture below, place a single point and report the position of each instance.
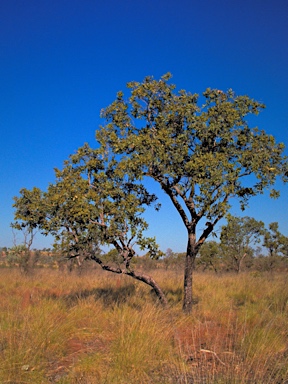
(173, 260)
(169, 258)
(22, 252)
(169, 253)
(210, 256)
(3, 255)
(275, 241)
(146, 263)
(113, 257)
(284, 246)
(202, 156)
(92, 203)
(237, 238)
(16, 255)
(276, 244)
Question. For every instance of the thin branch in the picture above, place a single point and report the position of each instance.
(97, 223)
(177, 205)
(204, 209)
(209, 228)
(105, 266)
(245, 174)
(214, 354)
(207, 232)
(129, 241)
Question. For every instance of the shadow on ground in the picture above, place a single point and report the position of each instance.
(109, 296)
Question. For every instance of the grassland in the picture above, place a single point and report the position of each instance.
(102, 328)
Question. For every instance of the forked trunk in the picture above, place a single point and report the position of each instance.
(188, 274)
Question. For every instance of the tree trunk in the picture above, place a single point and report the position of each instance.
(188, 274)
(241, 262)
(150, 281)
(136, 275)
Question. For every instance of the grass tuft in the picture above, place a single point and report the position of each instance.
(98, 328)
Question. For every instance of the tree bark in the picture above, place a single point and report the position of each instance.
(188, 274)
(150, 281)
(138, 276)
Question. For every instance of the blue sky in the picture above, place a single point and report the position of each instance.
(61, 61)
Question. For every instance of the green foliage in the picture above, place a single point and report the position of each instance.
(90, 203)
(112, 257)
(237, 238)
(210, 256)
(200, 155)
(174, 260)
(30, 208)
(16, 254)
(274, 241)
(277, 245)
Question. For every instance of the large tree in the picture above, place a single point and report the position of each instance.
(92, 203)
(202, 155)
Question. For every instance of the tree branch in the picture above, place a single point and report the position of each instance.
(176, 204)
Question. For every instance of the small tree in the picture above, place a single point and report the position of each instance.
(237, 238)
(16, 254)
(210, 256)
(91, 204)
(274, 241)
(277, 245)
(202, 156)
(22, 254)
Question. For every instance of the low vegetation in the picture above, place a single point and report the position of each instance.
(60, 327)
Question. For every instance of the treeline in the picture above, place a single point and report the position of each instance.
(26, 259)
(244, 244)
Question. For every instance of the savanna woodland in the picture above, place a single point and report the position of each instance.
(64, 320)
(202, 156)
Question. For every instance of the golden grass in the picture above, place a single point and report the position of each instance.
(102, 328)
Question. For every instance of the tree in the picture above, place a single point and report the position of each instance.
(237, 238)
(276, 243)
(92, 203)
(210, 255)
(201, 155)
(17, 255)
(171, 259)
(21, 254)
(284, 246)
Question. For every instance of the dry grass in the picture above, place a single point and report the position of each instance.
(101, 328)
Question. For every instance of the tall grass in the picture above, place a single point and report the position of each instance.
(98, 328)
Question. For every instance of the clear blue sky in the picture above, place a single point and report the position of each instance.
(61, 61)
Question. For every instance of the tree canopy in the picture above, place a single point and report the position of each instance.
(201, 150)
(275, 241)
(237, 238)
(201, 155)
(92, 203)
